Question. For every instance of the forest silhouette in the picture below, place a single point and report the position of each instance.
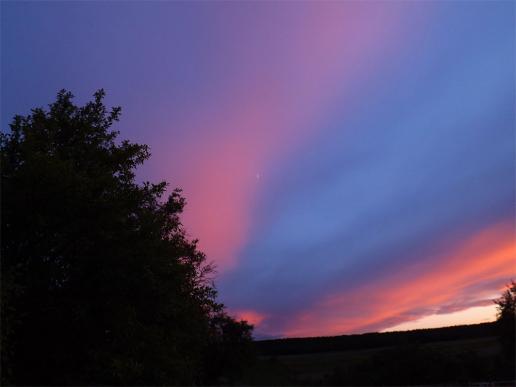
(100, 284)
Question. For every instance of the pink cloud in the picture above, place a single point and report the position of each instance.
(251, 316)
(309, 58)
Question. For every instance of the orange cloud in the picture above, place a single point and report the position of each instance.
(463, 275)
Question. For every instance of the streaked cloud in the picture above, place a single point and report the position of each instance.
(439, 283)
(331, 153)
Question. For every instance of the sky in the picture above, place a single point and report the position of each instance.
(348, 166)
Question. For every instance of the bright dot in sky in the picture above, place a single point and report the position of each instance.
(258, 176)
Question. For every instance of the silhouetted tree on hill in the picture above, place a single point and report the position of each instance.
(506, 321)
(100, 284)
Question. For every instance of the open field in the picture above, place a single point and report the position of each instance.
(418, 361)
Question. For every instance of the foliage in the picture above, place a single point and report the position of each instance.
(100, 284)
(228, 353)
(506, 304)
(506, 320)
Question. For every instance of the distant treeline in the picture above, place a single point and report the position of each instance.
(373, 340)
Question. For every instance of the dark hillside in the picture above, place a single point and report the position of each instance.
(458, 355)
(372, 340)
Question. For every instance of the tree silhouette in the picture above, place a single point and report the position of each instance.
(100, 284)
(506, 321)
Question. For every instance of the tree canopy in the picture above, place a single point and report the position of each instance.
(506, 321)
(100, 283)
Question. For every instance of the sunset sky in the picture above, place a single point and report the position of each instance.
(348, 166)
